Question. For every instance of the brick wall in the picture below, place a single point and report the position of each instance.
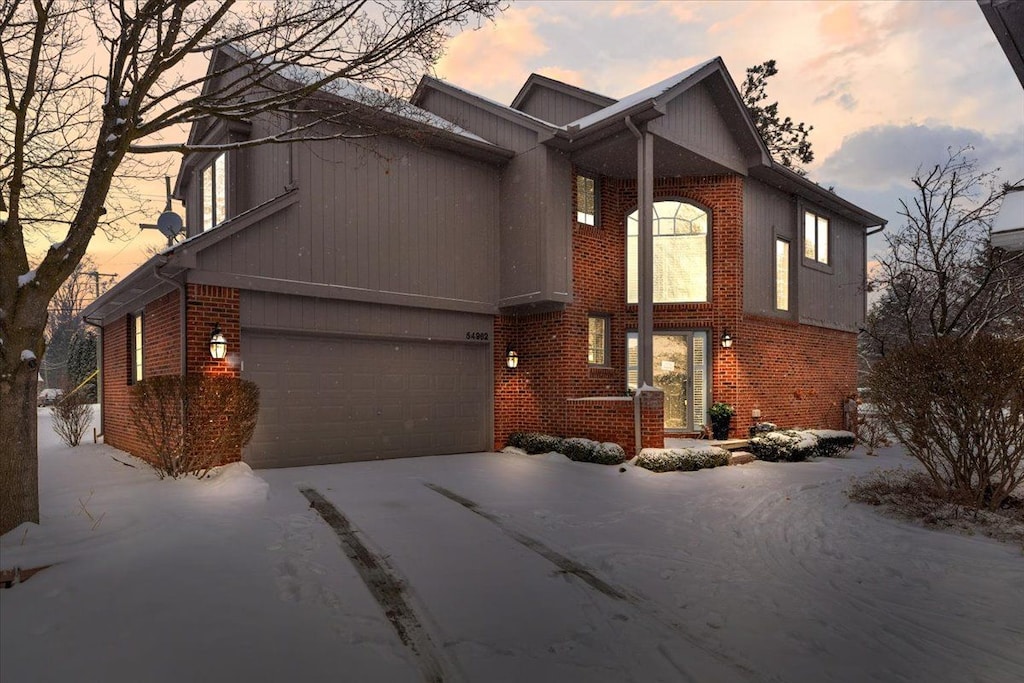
(161, 352)
(613, 419)
(796, 374)
(207, 305)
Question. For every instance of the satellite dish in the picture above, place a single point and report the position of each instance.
(169, 224)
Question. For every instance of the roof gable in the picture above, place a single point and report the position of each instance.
(537, 83)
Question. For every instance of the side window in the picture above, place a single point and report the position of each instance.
(587, 194)
(135, 339)
(781, 274)
(815, 238)
(598, 333)
(214, 188)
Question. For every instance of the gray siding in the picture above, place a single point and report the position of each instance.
(281, 312)
(834, 297)
(767, 213)
(827, 296)
(693, 121)
(491, 127)
(379, 215)
(556, 107)
(536, 248)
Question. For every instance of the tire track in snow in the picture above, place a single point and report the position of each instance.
(386, 587)
(647, 606)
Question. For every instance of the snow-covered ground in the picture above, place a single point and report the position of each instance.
(517, 568)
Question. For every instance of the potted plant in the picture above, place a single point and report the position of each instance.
(721, 416)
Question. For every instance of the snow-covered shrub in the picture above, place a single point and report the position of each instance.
(190, 424)
(778, 447)
(762, 428)
(535, 442)
(72, 415)
(832, 443)
(609, 453)
(580, 450)
(797, 445)
(682, 459)
(957, 405)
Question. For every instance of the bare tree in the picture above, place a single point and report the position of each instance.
(73, 127)
(939, 276)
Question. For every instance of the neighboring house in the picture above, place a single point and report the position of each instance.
(1006, 19)
(374, 288)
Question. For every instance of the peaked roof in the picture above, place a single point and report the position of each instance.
(537, 81)
(663, 89)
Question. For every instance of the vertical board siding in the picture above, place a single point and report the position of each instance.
(694, 122)
(767, 213)
(268, 310)
(487, 125)
(835, 299)
(556, 107)
(379, 214)
(521, 225)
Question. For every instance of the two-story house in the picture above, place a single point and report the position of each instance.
(472, 269)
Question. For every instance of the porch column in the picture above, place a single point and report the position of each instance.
(645, 253)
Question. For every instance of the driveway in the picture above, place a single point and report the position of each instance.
(496, 567)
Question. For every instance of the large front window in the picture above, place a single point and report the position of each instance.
(214, 187)
(681, 371)
(680, 253)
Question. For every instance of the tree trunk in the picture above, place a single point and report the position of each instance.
(19, 458)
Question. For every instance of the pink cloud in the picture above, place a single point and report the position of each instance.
(494, 60)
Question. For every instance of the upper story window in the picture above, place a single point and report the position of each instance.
(781, 274)
(598, 333)
(134, 348)
(680, 253)
(587, 193)
(214, 189)
(815, 238)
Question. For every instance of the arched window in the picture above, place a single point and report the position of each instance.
(680, 253)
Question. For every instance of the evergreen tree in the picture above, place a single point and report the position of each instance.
(82, 362)
(786, 139)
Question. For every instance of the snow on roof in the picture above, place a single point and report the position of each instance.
(365, 95)
(495, 103)
(1011, 213)
(649, 93)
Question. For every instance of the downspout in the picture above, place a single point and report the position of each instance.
(99, 373)
(182, 311)
(645, 270)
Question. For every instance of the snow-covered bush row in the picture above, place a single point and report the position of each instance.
(578, 449)
(682, 459)
(794, 445)
(535, 442)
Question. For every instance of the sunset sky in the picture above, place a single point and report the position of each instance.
(888, 86)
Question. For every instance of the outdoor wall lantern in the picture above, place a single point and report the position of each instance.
(511, 358)
(218, 344)
(726, 340)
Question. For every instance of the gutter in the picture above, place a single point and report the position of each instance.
(182, 312)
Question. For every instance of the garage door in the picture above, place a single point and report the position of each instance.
(325, 400)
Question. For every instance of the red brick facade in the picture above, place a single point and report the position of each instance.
(161, 353)
(794, 374)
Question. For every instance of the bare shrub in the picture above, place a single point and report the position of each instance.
(957, 404)
(913, 495)
(72, 415)
(872, 433)
(193, 423)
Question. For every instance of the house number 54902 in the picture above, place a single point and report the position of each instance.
(477, 336)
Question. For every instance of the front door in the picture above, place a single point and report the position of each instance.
(680, 370)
